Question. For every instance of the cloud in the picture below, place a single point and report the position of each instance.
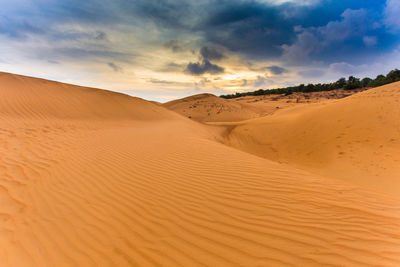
(276, 70)
(203, 82)
(391, 15)
(313, 73)
(18, 29)
(168, 13)
(115, 67)
(210, 53)
(353, 23)
(166, 83)
(204, 67)
(249, 28)
(370, 40)
(161, 81)
(100, 36)
(337, 38)
(259, 82)
(173, 45)
(254, 29)
(342, 68)
(172, 67)
(296, 2)
(86, 54)
(299, 51)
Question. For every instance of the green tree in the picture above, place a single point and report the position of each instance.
(352, 83)
(366, 82)
(393, 76)
(340, 83)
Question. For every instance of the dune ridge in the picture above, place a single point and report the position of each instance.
(114, 187)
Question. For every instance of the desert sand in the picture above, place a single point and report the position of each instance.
(356, 139)
(210, 108)
(94, 178)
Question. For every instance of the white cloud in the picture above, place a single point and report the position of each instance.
(391, 15)
(343, 68)
(354, 23)
(370, 40)
(300, 50)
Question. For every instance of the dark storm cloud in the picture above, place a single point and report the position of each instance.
(276, 70)
(203, 67)
(211, 53)
(260, 31)
(326, 31)
(249, 28)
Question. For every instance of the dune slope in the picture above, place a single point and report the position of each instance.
(113, 187)
(24, 98)
(356, 139)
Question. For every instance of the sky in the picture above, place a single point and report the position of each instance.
(166, 49)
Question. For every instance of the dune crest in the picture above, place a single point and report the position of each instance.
(95, 178)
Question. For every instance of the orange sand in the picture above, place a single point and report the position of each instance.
(356, 139)
(95, 178)
(210, 108)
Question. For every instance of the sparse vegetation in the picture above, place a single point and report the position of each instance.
(343, 83)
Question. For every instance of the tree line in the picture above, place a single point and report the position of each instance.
(343, 83)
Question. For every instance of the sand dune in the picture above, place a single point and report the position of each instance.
(95, 178)
(210, 108)
(356, 139)
(25, 98)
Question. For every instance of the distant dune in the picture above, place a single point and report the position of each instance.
(95, 178)
(210, 108)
